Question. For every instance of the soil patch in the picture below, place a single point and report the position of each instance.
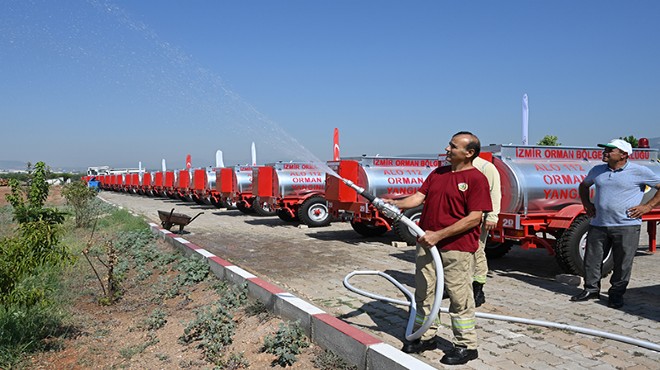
(123, 335)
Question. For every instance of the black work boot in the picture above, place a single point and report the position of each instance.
(419, 346)
(479, 296)
(459, 356)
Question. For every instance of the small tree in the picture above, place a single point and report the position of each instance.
(80, 197)
(632, 140)
(549, 140)
(37, 246)
(29, 204)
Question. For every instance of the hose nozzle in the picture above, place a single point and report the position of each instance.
(388, 210)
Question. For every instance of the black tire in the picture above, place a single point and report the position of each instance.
(497, 250)
(571, 246)
(403, 231)
(262, 208)
(197, 199)
(368, 230)
(314, 212)
(245, 207)
(285, 216)
(218, 203)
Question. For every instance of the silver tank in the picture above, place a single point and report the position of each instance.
(243, 178)
(394, 177)
(540, 179)
(210, 178)
(293, 177)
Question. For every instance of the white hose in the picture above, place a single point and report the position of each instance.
(439, 288)
(428, 320)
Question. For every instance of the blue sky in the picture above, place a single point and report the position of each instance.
(94, 82)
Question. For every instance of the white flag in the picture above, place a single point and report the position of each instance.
(525, 120)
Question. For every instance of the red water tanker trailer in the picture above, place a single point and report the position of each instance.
(384, 177)
(234, 185)
(540, 202)
(184, 179)
(122, 182)
(294, 190)
(146, 184)
(103, 181)
(134, 184)
(157, 189)
(169, 186)
(202, 185)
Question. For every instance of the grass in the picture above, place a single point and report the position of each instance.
(328, 360)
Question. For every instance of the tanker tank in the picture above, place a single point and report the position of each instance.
(545, 179)
(294, 191)
(541, 204)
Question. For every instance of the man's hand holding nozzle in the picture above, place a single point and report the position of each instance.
(391, 201)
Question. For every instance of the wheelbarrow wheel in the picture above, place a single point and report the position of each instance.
(167, 225)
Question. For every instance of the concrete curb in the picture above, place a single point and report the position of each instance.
(355, 346)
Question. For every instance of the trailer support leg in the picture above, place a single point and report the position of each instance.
(652, 230)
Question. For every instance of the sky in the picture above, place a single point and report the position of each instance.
(95, 82)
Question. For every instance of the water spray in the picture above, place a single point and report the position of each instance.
(394, 213)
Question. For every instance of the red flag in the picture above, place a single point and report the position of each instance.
(188, 161)
(335, 146)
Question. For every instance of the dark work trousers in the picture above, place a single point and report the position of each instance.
(623, 241)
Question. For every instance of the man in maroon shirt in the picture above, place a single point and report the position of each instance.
(455, 198)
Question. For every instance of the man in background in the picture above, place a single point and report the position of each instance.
(490, 222)
(616, 218)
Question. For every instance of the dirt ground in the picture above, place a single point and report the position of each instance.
(118, 336)
(54, 195)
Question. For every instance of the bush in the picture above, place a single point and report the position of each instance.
(23, 328)
(79, 196)
(31, 263)
(286, 344)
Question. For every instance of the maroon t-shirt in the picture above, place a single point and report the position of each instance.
(451, 196)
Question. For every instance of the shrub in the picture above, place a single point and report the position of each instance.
(79, 196)
(37, 244)
(286, 344)
(22, 329)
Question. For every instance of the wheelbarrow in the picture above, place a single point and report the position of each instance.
(169, 219)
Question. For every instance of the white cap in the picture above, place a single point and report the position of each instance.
(622, 145)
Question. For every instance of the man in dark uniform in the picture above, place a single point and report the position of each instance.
(455, 198)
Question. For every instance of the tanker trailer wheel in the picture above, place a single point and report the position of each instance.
(197, 199)
(571, 247)
(217, 203)
(497, 250)
(313, 212)
(285, 216)
(368, 230)
(262, 208)
(403, 231)
(244, 207)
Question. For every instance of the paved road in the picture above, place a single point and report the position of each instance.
(313, 262)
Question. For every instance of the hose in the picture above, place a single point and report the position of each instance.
(394, 213)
